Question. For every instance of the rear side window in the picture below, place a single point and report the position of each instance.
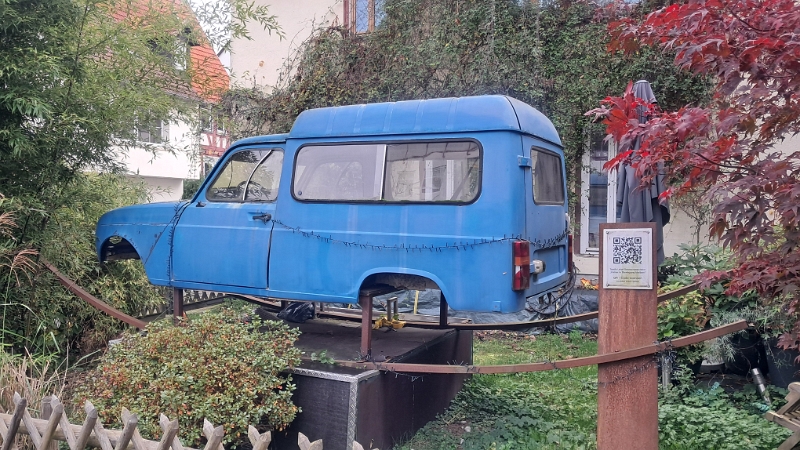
(248, 175)
(433, 172)
(548, 177)
(440, 171)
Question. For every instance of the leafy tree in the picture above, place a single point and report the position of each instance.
(76, 78)
(728, 148)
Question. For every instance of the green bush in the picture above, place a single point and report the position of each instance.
(40, 315)
(215, 366)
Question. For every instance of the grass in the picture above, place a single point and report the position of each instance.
(558, 408)
(33, 377)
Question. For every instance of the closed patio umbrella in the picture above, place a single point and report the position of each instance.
(640, 204)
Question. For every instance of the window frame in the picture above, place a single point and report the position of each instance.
(561, 164)
(611, 196)
(271, 151)
(375, 14)
(387, 143)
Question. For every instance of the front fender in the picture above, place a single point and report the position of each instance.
(147, 228)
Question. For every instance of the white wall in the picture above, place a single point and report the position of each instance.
(257, 62)
(163, 167)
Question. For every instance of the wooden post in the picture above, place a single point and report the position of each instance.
(627, 391)
(177, 303)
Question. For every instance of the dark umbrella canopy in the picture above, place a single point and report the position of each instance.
(641, 204)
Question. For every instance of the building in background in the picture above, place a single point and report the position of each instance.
(258, 62)
(166, 154)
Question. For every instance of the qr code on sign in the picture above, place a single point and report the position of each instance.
(626, 250)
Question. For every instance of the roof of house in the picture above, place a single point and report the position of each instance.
(209, 79)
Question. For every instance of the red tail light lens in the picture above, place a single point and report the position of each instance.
(521, 253)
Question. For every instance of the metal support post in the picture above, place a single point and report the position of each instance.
(177, 303)
(365, 301)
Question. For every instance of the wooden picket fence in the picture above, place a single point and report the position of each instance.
(53, 425)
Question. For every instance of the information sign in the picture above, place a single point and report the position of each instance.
(628, 258)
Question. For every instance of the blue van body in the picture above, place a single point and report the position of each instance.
(415, 194)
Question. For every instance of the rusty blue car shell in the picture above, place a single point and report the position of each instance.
(326, 250)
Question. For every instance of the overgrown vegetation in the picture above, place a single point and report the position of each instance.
(551, 55)
(222, 366)
(44, 318)
(558, 408)
(78, 79)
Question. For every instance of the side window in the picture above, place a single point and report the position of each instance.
(433, 172)
(548, 178)
(339, 172)
(257, 171)
(441, 171)
(263, 186)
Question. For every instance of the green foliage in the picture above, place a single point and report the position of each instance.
(553, 409)
(712, 418)
(558, 408)
(682, 316)
(322, 357)
(725, 428)
(190, 188)
(697, 259)
(77, 78)
(215, 366)
(43, 316)
(553, 57)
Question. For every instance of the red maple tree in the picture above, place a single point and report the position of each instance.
(751, 51)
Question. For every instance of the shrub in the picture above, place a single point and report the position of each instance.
(216, 366)
(40, 315)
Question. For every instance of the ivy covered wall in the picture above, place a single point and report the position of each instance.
(551, 55)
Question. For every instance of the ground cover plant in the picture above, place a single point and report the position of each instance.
(225, 366)
(558, 409)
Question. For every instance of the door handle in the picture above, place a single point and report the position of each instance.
(265, 217)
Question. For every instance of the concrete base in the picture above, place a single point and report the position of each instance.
(377, 409)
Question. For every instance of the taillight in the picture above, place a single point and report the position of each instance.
(521, 252)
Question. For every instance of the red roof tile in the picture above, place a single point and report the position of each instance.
(209, 78)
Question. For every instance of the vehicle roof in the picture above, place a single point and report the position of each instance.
(449, 115)
(460, 114)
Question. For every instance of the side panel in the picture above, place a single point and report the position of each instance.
(221, 244)
(323, 249)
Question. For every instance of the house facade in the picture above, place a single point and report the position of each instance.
(165, 154)
(258, 62)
